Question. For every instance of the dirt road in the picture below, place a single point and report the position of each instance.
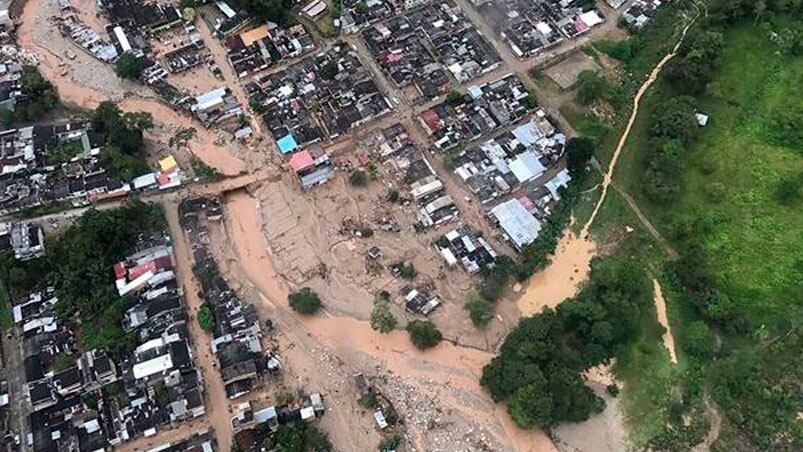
(215, 400)
(608, 176)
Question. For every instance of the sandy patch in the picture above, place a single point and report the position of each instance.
(663, 319)
(561, 279)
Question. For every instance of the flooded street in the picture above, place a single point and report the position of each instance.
(448, 371)
(561, 279)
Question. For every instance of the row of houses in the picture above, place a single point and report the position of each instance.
(261, 47)
(24, 241)
(237, 341)
(42, 164)
(507, 161)
(420, 47)
(317, 99)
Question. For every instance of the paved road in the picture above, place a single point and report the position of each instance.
(19, 403)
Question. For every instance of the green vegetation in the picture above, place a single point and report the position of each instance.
(206, 319)
(424, 334)
(279, 11)
(329, 70)
(480, 310)
(593, 87)
(579, 151)
(39, 94)
(455, 97)
(538, 367)
(298, 437)
(202, 170)
(64, 152)
(122, 134)
(128, 66)
(358, 178)
(79, 264)
(6, 318)
(382, 319)
(305, 301)
(390, 443)
(407, 270)
(727, 196)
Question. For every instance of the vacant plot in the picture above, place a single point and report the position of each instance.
(566, 72)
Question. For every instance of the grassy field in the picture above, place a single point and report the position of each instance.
(733, 171)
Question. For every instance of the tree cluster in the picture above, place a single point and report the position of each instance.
(206, 319)
(592, 87)
(672, 128)
(538, 369)
(424, 334)
(278, 11)
(305, 301)
(732, 11)
(698, 57)
(80, 262)
(298, 436)
(382, 318)
(122, 133)
(128, 66)
(38, 97)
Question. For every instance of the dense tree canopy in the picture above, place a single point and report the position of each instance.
(663, 175)
(279, 11)
(80, 264)
(691, 70)
(128, 66)
(674, 119)
(538, 367)
(424, 334)
(38, 97)
(579, 151)
(305, 301)
(122, 133)
(298, 437)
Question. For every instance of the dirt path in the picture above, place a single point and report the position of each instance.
(608, 176)
(215, 400)
(35, 19)
(663, 319)
(571, 263)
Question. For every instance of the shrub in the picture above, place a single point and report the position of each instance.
(305, 301)
(408, 271)
(382, 319)
(206, 319)
(424, 334)
(480, 310)
(358, 178)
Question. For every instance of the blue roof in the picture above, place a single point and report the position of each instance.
(287, 144)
